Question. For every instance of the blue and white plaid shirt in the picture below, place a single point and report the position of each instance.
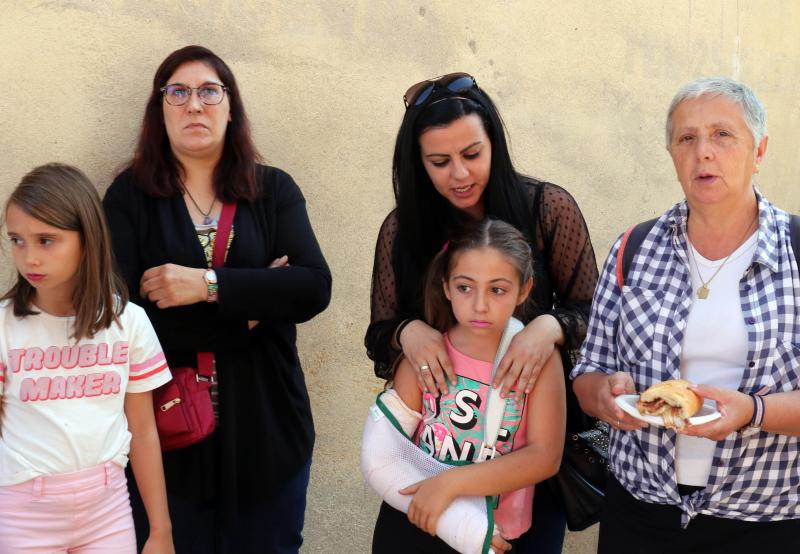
(639, 330)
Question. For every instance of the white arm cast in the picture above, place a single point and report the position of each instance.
(391, 462)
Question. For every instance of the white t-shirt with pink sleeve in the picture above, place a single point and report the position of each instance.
(63, 400)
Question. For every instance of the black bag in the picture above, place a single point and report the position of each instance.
(580, 483)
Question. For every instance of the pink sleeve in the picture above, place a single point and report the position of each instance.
(148, 367)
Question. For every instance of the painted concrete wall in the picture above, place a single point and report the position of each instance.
(582, 85)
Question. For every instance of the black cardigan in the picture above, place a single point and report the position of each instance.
(265, 432)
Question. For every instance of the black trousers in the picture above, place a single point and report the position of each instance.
(549, 524)
(272, 527)
(630, 526)
(394, 534)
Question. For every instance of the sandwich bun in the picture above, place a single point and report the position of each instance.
(672, 400)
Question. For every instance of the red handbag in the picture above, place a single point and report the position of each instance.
(184, 413)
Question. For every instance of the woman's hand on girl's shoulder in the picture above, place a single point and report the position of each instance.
(171, 285)
(431, 498)
(423, 346)
(527, 355)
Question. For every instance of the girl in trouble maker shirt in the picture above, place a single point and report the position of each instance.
(77, 367)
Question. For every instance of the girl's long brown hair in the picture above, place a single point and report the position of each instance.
(62, 196)
(488, 233)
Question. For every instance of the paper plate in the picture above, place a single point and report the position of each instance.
(628, 404)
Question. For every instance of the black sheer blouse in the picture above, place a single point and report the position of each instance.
(565, 275)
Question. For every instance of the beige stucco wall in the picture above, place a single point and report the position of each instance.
(583, 87)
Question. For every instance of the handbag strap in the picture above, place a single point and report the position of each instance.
(205, 360)
(205, 365)
(223, 232)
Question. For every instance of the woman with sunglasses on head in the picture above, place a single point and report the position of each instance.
(451, 166)
(243, 488)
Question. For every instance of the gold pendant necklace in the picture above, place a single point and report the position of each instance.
(704, 290)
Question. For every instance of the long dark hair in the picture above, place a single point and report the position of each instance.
(155, 167)
(62, 196)
(425, 218)
(488, 233)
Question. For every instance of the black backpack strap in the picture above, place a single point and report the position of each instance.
(634, 237)
(631, 241)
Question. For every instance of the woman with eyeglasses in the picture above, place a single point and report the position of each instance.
(451, 166)
(243, 488)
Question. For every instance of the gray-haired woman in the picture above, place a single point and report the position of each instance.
(711, 296)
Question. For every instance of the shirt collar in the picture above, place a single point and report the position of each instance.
(767, 251)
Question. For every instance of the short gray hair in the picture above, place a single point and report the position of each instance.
(740, 94)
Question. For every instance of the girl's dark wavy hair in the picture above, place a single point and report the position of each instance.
(488, 233)
(156, 169)
(63, 197)
(425, 218)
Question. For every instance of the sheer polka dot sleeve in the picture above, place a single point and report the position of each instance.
(384, 316)
(570, 259)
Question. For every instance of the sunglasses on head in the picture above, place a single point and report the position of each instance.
(416, 95)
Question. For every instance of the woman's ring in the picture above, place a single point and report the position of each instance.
(424, 367)
(618, 423)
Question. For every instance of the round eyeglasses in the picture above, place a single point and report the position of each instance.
(209, 94)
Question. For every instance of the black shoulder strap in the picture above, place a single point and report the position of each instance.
(794, 230)
(630, 245)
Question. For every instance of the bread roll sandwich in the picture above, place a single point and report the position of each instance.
(672, 400)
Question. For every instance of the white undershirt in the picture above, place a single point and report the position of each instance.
(714, 348)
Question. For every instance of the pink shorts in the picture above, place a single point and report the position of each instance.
(83, 512)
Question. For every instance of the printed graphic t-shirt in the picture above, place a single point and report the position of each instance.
(452, 430)
(62, 400)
